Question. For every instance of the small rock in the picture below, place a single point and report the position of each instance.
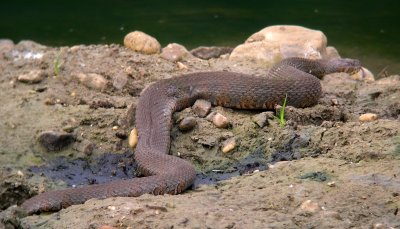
(187, 123)
(181, 66)
(207, 53)
(34, 76)
(120, 80)
(310, 206)
(141, 42)
(20, 173)
(228, 145)
(331, 184)
(54, 141)
(364, 75)
(92, 80)
(107, 227)
(262, 119)
(174, 52)
(368, 117)
(89, 148)
(219, 120)
(133, 138)
(201, 107)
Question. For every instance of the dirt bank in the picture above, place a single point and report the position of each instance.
(341, 173)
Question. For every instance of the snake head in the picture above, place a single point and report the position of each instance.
(346, 65)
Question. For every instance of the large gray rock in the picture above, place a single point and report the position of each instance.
(275, 43)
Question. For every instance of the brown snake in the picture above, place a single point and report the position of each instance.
(294, 77)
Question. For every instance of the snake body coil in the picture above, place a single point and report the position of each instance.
(294, 77)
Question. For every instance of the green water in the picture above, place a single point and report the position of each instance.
(367, 30)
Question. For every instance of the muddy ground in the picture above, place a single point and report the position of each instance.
(324, 169)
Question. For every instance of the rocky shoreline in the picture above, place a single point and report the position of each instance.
(67, 115)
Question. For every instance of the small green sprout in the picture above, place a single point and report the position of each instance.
(282, 113)
(57, 64)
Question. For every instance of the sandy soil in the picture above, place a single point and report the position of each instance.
(324, 169)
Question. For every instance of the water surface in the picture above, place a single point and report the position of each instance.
(367, 30)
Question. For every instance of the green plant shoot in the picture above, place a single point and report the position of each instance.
(282, 113)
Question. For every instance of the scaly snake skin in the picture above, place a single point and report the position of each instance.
(294, 77)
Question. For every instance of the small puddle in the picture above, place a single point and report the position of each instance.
(111, 166)
(108, 167)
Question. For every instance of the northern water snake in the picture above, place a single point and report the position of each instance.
(294, 77)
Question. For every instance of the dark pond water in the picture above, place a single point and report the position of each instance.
(367, 30)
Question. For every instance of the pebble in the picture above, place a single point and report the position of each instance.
(133, 138)
(34, 76)
(310, 206)
(201, 107)
(107, 227)
(54, 141)
(141, 42)
(20, 173)
(219, 120)
(187, 123)
(92, 80)
(174, 52)
(262, 119)
(207, 53)
(89, 148)
(331, 184)
(228, 145)
(120, 80)
(368, 117)
(181, 66)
